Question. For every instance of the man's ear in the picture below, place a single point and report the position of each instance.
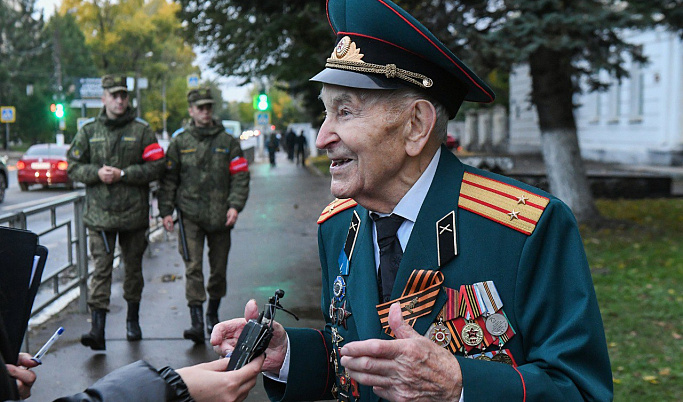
(422, 120)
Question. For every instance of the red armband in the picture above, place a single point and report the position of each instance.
(239, 164)
(152, 152)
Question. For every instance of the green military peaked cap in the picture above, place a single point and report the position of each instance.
(381, 46)
(114, 83)
(199, 96)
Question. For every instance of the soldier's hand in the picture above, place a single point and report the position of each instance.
(106, 174)
(409, 368)
(168, 223)
(225, 334)
(231, 217)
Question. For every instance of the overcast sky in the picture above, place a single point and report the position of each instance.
(230, 92)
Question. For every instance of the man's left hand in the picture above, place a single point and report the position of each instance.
(409, 368)
(231, 217)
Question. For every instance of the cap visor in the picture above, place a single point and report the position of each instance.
(203, 102)
(116, 89)
(353, 79)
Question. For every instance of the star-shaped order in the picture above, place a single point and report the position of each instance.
(513, 215)
(522, 199)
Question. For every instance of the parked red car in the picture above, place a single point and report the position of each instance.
(43, 164)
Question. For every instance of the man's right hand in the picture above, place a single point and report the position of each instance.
(225, 335)
(168, 223)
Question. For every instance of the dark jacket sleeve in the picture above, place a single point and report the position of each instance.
(135, 382)
(239, 181)
(80, 168)
(145, 171)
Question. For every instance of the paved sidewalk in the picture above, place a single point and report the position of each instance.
(274, 245)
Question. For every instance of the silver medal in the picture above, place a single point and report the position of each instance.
(496, 324)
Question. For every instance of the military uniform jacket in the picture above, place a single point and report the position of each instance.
(206, 174)
(121, 143)
(541, 274)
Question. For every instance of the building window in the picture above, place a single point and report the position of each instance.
(614, 105)
(596, 108)
(636, 104)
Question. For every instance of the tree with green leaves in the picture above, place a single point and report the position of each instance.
(284, 41)
(140, 38)
(23, 79)
(565, 42)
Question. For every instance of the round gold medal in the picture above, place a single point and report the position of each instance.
(472, 334)
(502, 358)
(439, 334)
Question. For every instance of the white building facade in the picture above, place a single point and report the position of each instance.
(637, 121)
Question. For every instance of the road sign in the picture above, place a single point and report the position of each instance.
(8, 114)
(193, 81)
(261, 118)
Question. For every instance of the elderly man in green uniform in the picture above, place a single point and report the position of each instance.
(440, 281)
(116, 156)
(207, 182)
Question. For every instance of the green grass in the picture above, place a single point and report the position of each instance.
(638, 271)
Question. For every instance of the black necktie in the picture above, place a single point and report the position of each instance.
(390, 252)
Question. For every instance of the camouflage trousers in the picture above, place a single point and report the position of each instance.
(133, 245)
(219, 247)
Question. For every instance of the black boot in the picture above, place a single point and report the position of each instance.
(133, 331)
(196, 332)
(95, 338)
(212, 315)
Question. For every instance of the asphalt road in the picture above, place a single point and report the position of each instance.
(274, 245)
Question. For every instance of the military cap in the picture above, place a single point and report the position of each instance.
(199, 96)
(381, 46)
(114, 83)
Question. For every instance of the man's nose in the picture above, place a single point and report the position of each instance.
(326, 135)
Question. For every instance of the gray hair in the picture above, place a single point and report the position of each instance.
(398, 99)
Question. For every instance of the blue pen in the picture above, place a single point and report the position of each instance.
(47, 345)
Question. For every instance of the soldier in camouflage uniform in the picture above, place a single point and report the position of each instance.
(115, 155)
(207, 181)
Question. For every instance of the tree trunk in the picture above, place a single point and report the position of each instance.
(552, 91)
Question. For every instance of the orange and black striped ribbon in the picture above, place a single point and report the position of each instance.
(417, 299)
(456, 344)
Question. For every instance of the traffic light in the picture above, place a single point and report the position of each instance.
(57, 109)
(261, 102)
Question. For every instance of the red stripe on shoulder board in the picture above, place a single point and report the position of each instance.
(335, 207)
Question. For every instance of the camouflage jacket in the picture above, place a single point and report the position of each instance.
(206, 174)
(123, 143)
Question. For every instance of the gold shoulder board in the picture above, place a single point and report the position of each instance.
(336, 206)
(508, 205)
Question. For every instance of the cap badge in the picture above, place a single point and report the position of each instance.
(346, 50)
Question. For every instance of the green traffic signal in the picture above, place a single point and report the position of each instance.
(59, 110)
(262, 102)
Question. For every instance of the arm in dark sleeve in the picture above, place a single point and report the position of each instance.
(80, 167)
(559, 322)
(135, 382)
(150, 169)
(239, 177)
(170, 180)
(311, 374)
